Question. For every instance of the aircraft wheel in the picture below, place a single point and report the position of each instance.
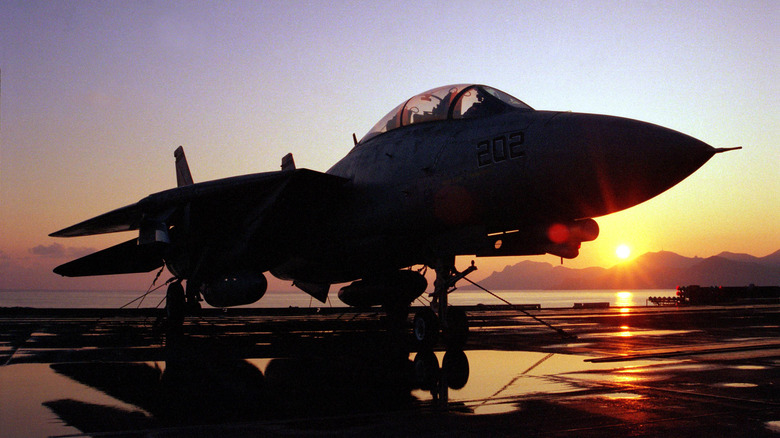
(455, 368)
(426, 370)
(175, 308)
(426, 328)
(175, 305)
(457, 332)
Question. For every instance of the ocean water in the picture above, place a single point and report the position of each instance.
(47, 299)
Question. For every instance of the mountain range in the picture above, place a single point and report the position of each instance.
(653, 270)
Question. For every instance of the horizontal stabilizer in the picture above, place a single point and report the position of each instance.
(125, 258)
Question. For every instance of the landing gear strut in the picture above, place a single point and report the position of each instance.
(452, 321)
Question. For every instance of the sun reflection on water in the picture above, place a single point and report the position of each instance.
(624, 298)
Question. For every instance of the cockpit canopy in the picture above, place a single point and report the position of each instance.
(463, 101)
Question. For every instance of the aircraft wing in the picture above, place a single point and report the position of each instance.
(122, 219)
(226, 203)
(229, 190)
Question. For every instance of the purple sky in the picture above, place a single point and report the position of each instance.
(97, 95)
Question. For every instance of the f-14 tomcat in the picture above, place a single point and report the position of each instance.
(457, 170)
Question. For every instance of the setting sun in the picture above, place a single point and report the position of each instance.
(623, 251)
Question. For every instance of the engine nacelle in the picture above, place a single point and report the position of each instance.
(401, 287)
(237, 289)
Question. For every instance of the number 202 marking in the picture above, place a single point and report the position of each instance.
(500, 148)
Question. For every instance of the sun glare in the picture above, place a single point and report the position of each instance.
(623, 251)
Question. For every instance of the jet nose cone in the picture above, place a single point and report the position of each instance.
(624, 162)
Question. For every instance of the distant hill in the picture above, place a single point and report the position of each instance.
(770, 260)
(654, 270)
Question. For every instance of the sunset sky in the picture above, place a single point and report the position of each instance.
(95, 97)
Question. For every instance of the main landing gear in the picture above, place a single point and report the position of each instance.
(175, 304)
(178, 305)
(452, 322)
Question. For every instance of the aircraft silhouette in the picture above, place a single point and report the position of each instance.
(457, 170)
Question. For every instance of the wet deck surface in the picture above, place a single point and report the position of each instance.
(629, 372)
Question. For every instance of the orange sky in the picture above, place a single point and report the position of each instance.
(96, 96)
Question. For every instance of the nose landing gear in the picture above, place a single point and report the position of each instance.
(452, 321)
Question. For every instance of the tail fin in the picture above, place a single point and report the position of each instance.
(183, 175)
(287, 162)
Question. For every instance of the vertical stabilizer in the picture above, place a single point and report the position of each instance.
(183, 175)
(287, 162)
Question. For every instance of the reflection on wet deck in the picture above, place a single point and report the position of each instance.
(343, 373)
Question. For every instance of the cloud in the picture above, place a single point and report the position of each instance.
(56, 250)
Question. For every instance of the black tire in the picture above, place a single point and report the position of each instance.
(426, 370)
(175, 308)
(175, 304)
(426, 328)
(455, 369)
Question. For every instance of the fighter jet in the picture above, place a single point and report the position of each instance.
(457, 170)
